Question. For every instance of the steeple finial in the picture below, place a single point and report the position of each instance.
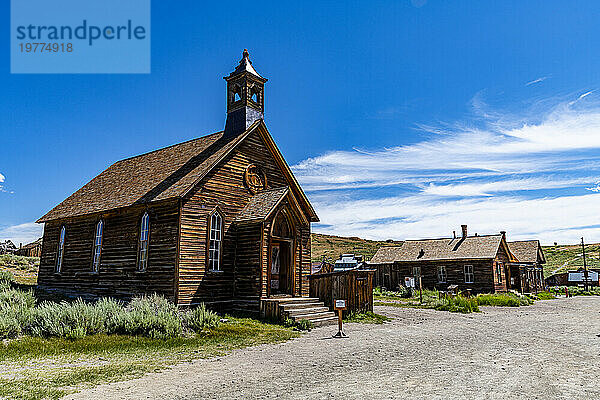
(245, 65)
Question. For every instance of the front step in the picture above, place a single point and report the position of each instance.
(296, 312)
(299, 308)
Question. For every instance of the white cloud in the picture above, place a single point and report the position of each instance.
(23, 233)
(526, 173)
(562, 219)
(2, 178)
(538, 80)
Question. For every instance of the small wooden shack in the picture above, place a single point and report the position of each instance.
(477, 263)
(33, 249)
(219, 219)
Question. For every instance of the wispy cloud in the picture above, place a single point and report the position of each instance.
(485, 172)
(538, 80)
(22, 233)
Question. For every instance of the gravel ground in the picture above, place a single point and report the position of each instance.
(550, 350)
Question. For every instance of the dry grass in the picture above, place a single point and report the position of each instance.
(331, 247)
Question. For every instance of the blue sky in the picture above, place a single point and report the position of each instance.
(402, 119)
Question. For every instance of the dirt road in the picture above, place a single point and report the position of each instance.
(550, 350)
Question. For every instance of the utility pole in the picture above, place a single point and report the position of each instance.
(585, 271)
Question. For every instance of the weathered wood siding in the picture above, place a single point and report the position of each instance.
(224, 188)
(355, 286)
(504, 284)
(118, 275)
(393, 275)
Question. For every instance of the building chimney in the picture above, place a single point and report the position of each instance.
(454, 234)
(464, 231)
(503, 233)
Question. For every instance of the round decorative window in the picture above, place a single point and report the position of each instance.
(255, 178)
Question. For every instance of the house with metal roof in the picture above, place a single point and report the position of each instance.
(478, 263)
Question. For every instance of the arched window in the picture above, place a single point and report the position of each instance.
(215, 241)
(281, 227)
(97, 246)
(143, 243)
(61, 249)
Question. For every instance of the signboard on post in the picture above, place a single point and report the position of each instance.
(340, 306)
(409, 282)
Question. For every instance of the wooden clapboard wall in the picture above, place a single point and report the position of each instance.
(224, 189)
(118, 275)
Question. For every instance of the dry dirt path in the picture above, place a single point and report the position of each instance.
(550, 350)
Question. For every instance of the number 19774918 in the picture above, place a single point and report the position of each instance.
(46, 47)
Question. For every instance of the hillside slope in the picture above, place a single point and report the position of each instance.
(331, 247)
(565, 257)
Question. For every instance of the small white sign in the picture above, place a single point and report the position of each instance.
(340, 304)
(409, 282)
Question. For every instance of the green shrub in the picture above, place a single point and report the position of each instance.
(301, 324)
(6, 277)
(200, 318)
(503, 300)
(459, 304)
(304, 325)
(575, 290)
(152, 316)
(545, 296)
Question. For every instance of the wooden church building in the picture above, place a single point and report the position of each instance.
(219, 219)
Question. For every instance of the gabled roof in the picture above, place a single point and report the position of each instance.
(386, 255)
(164, 174)
(469, 248)
(527, 251)
(262, 205)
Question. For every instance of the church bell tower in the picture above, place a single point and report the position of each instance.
(245, 96)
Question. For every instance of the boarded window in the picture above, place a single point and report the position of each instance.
(143, 243)
(469, 275)
(97, 246)
(215, 241)
(61, 249)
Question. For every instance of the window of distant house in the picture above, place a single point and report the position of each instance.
(61, 249)
(469, 276)
(416, 271)
(143, 243)
(499, 272)
(97, 246)
(215, 241)
(441, 274)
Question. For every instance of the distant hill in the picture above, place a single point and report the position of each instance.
(562, 258)
(332, 246)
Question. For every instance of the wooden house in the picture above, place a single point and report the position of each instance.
(478, 263)
(527, 275)
(219, 219)
(33, 249)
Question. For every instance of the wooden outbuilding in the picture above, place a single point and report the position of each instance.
(475, 263)
(33, 249)
(219, 219)
(527, 275)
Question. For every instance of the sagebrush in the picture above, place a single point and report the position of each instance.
(150, 316)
